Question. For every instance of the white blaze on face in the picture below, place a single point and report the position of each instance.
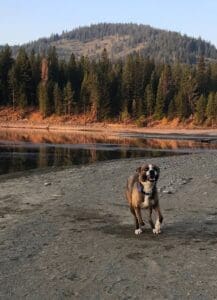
(150, 167)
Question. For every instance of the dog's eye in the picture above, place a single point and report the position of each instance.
(144, 177)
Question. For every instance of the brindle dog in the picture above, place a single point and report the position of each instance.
(141, 192)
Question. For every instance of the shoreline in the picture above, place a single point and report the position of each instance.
(107, 128)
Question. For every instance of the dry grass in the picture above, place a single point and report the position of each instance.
(31, 117)
(117, 47)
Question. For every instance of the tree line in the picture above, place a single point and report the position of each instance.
(135, 87)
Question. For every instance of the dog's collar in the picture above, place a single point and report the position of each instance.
(141, 189)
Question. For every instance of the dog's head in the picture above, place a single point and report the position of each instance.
(148, 173)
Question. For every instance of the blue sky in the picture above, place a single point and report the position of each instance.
(25, 20)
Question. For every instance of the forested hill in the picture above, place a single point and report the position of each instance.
(123, 39)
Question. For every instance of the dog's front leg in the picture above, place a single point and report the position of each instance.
(135, 218)
(159, 220)
(150, 218)
(140, 220)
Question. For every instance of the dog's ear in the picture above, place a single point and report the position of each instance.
(138, 170)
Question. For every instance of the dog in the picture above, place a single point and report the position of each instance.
(141, 192)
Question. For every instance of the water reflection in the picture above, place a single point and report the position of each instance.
(23, 150)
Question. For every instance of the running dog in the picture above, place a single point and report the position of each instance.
(141, 192)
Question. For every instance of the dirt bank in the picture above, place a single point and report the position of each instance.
(32, 120)
(69, 234)
(105, 128)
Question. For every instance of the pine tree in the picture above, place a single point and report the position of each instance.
(200, 111)
(213, 77)
(127, 85)
(74, 76)
(172, 111)
(201, 76)
(211, 109)
(140, 77)
(182, 106)
(149, 99)
(165, 93)
(53, 70)
(188, 88)
(35, 63)
(95, 98)
(58, 99)
(115, 90)
(68, 99)
(6, 63)
(103, 78)
(44, 106)
(12, 87)
(23, 75)
(63, 76)
(85, 93)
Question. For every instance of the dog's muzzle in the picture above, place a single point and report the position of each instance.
(152, 176)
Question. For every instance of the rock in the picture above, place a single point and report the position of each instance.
(167, 192)
(47, 183)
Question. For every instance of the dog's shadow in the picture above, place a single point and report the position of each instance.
(180, 231)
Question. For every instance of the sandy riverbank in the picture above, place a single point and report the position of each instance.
(108, 128)
(69, 234)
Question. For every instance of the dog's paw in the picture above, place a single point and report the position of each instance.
(156, 231)
(138, 231)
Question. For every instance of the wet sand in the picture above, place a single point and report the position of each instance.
(68, 234)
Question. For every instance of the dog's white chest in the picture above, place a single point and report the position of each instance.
(146, 202)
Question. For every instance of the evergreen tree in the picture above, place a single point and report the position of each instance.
(75, 77)
(140, 78)
(201, 76)
(188, 88)
(23, 75)
(85, 93)
(172, 110)
(6, 63)
(103, 78)
(165, 93)
(53, 70)
(149, 100)
(94, 98)
(115, 90)
(12, 87)
(35, 63)
(181, 105)
(211, 109)
(68, 99)
(127, 85)
(63, 76)
(58, 101)
(213, 77)
(200, 111)
(44, 106)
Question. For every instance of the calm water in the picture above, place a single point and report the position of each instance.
(20, 150)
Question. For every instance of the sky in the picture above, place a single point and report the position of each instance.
(22, 21)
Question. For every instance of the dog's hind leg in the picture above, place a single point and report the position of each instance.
(140, 221)
(150, 218)
(157, 228)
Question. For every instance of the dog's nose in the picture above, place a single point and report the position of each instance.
(152, 173)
